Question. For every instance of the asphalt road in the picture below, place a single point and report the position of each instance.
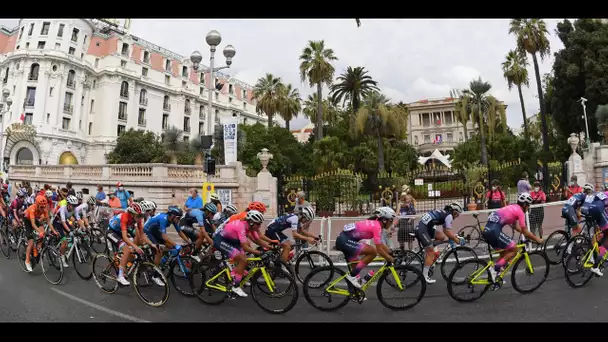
(29, 297)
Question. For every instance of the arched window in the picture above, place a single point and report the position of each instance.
(125, 49)
(71, 83)
(143, 97)
(187, 107)
(166, 104)
(34, 72)
(124, 90)
(146, 57)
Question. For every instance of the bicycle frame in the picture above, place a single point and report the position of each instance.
(595, 248)
(521, 252)
(209, 283)
(369, 283)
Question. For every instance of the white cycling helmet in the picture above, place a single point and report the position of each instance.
(307, 213)
(588, 187)
(48, 194)
(456, 207)
(255, 216)
(91, 200)
(79, 195)
(385, 213)
(230, 209)
(72, 200)
(145, 205)
(214, 197)
(524, 198)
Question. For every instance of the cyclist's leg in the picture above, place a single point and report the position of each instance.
(570, 215)
(493, 234)
(29, 233)
(426, 241)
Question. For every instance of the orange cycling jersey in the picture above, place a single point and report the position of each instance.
(32, 212)
(236, 217)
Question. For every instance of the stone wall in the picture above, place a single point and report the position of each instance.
(163, 183)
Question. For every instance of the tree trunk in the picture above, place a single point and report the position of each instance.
(319, 123)
(543, 122)
(287, 125)
(380, 153)
(173, 158)
(466, 131)
(198, 159)
(270, 120)
(523, 113)
(482, 136)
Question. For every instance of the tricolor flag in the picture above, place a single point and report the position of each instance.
(437, 139)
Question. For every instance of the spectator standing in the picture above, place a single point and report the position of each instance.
(406, 225)
(100, 196)
(113, 201)
(537, 214)
(523, 185)
(495, 198)
(301, 203)
(71, 190)
(123, 195)
(195, 201)
(573, 188)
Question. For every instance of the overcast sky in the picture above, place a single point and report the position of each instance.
(411, 59)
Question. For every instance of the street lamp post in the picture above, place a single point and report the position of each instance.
(587, 139)
(8, 101)
(213, 40)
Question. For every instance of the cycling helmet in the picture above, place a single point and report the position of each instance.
(307, 213)
(48, 194)
(135, 209)
(29, 200)
(145, 205)
(230, 209)
(79, 195)
(152, 205)
(386, 213)
(254, 216)
(72, 200)
(41, 201)
(91, 200)
(210, 207)
(257, 206)
(454, 206)
(175, 211)
(5, 187)
(589, 188)
(214, 197)
(524, 198)
(22, 193)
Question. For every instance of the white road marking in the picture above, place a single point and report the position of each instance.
(100, 308)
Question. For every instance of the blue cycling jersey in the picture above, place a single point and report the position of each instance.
(437, 218)
(159, 223)
(576, 201)
(281, 223)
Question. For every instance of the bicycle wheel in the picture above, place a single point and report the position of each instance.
(52, 268)
(410, 259)
(105, 272)
(455, 257)
(21, 248)
(575, 242)
(412, 290)
(83, 261)
(5, 246)
(308, 261)
(540, 268)
(472, 235)
(275, 271)
(142, 279)
(198, 278)
(13, 238)
(461, 277)
(554, 246)
(316, 283)
(98, 241)
(283, 292)
(576, 273)
(179, 277)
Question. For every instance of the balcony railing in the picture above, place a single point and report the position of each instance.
(167, 107)
(33, 77)
(124, 96)
(143, 101)
(68, 108)
(71, 84)
(30, 102)
(142, 123)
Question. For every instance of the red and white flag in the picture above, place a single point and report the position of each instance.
(22, 117)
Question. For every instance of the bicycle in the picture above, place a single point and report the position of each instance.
(179, 264)
(472, 233)
(141, 266)
(346, 291)
(8, 239)
(564, 241)
(80, 252)
(480, 268)
(306, 254)
(220, 282)
(582, 257)
(42, 251)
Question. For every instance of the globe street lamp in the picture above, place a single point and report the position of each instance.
(8, 102)
(213, 40)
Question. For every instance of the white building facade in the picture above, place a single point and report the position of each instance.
(77, 83)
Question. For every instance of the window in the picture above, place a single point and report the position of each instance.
(234, 114)
(427, 139)
(450, 137)
(94, 84)
(201, 112)
(144, 71)
(244, 121)
(79, 124)
(437, 118)
(201, 91)
(244, 94)
(71, 83)
(202, 78)
(438, 139)
(29, 117)
(29, 33)
(84, 42)
(48, 117)
(167, 79)
(27, 46)
(146, 57)
(124, 90)
(122, 111)
(187, 108)
(67, 103)
(448, 118)
(184, 84)
(141, 117)
(75, 35)
(186, 139)
(92, 109)
(125, 50)
(82, 101)
(60, 30)
(244, 105)
(71, 51)
(30, 97)
(184, 71)
(97, 62)
(230, 89)
(460, 137)
(21, 32)
(415, 140)
(165, 122)
(66, 123)
(217, 116)
(5, 76)
(217, 96)
(51, 91)
(57, 46)
(230, 99)
(90, 128)
(45, 28)
(201, 127)
(186, 124)
(41, 45)
(166, 103)
(426, 120)
(17, 48)
(168, 65)
(123, 64)
(34, 70)
(81, 55)
(121, 129)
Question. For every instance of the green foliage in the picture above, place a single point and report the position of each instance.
(136, 146)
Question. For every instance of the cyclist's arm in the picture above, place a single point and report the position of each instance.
(447, 229)
(382, 249)
(125, 235)
(63, 220)
(298, 232)
(520, 226)
(246, 246)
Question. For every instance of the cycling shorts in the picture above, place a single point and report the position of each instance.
(155, 236)
(230, 248)
(597, 211)
(116, 239)
(424, 235)
(494, 236)
(190, 232)
(29, 229)
(59, 228)
(348, 246)
(569, 214)
(274, 234)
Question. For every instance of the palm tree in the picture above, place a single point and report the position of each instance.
(196, 145)
(316, 67)
(462, 110)
(311, 106)
(379, 119)
(173, 142)
(265, 92)
(289, 103)
(515, 71)
(531, 36)
(351, 86)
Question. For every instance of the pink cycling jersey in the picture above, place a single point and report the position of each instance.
(237, 230)
(366, 229)
(511, 214)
